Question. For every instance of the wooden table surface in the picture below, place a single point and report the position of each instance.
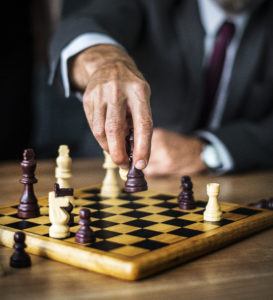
(240, 271)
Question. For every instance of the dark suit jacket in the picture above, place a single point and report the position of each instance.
(165, 37)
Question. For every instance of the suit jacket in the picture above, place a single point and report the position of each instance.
(165, 37)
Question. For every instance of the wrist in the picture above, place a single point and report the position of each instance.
(210, 157)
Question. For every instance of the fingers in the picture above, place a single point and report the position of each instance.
(143, 125)
(95, 110)
(115, 126)
(112, 106)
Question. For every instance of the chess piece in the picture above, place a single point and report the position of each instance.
(267, 204)
(28, 207)
(63, 169)
(213, 211)
(68, 192)
(185, 198)
(58, 216)
(85, 234)
(135, 178)
(63, 175)
(20, 259)
(123, 173)
(110, 185)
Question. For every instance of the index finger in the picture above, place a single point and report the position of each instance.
(143, 128)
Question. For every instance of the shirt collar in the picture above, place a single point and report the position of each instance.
(213, 16)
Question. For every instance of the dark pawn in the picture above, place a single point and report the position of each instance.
(185, 198)
(268, 204)
(20, 259)
(85, 234)
(28, 207)
(135, 178)
(62, 192)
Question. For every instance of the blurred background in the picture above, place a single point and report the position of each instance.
(34, 114)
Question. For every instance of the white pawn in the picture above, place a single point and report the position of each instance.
(110, 185)
(58, 216)
(63, 169)
(213, 211)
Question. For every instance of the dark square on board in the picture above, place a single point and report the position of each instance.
(186, 232)
(179, 222)
(102, 224)
(140, 223)
(144, 233)
(245, 211)
(22, 225)
(105, 234)
(172, 213)
(149, 244)
(105, 245)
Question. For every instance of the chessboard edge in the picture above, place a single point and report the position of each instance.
(197, 246)
(113, 265)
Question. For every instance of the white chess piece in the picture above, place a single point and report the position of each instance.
(63, 169)
(110, 185)
(123, 173)
(213, 211)
(58, 216)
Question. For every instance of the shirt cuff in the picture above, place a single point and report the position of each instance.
(223, 154)
(77, 45)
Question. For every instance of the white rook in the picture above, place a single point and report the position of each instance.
(213, 211)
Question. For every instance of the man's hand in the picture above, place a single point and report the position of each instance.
(174, 154)
(116, 97)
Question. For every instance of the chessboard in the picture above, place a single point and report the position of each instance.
(137, 234)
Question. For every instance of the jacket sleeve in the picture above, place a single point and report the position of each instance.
(120, 19)
(249, 143)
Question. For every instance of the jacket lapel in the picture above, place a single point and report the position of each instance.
(245, 66)
(190, 35)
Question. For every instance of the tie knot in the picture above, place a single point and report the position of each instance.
(227, 31)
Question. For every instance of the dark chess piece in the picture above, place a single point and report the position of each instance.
(268, 204)
(185, 198)
(20, 259)
(135, 178)
(85, 234)
(28, 207)
(62, 192)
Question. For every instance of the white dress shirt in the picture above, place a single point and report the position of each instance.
(212, 16)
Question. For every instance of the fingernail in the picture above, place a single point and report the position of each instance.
(140, 164)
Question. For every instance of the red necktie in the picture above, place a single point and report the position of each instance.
(214, 69)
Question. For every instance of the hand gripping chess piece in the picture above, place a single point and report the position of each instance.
(213, 211)
(63, 169)
(110, 185)
(135, 178)
(28, 207)
(58, 216)
(20, 259)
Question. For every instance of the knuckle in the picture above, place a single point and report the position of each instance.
(146, 125)
(118, 158)
(113, 127)
(99, 132)
(142, 88)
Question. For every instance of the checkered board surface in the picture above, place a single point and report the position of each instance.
(131, 228)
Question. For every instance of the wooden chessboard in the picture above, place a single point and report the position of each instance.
(137, 234)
